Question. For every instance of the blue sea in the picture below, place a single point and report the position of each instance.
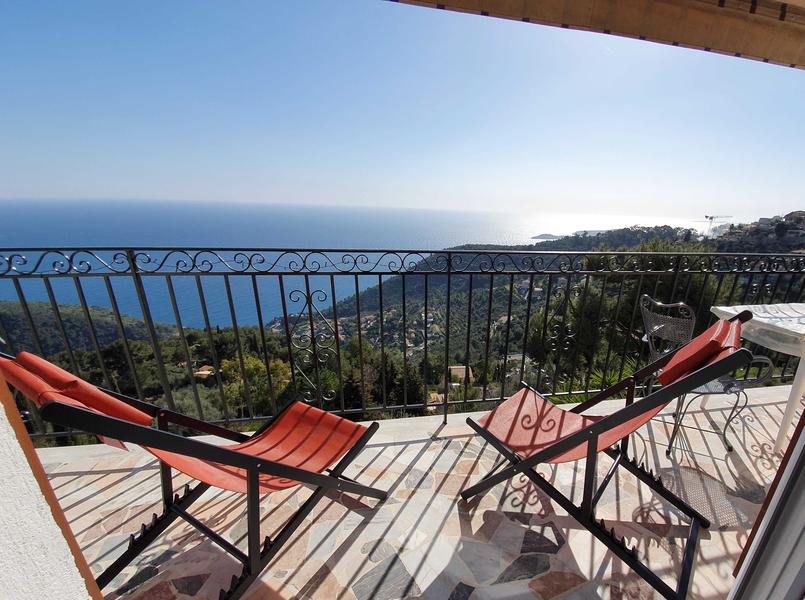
(207, 224)
(150, 223)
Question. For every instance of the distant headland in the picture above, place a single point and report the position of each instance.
(549, 237)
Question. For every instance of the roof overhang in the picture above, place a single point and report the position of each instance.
(763, 30)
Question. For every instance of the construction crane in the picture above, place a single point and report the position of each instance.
(711, 219)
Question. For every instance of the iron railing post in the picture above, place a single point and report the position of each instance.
(216, 364)
(149, 325)
(447, 338)
(287, 328)
(337, 336)
(188, 359)
(62, 330)
(404, 342)
(121, 332)
(505, 365)
(425, 364)
(467, 345)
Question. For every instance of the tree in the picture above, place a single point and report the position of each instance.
(235, 388)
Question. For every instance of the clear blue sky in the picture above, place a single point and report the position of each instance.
(370, 102)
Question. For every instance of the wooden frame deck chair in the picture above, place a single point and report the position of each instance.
(529, 430)
(301, 445)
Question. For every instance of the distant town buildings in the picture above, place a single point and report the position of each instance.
(204, 372)
(720, 230)
(459, 372)
(785, 233)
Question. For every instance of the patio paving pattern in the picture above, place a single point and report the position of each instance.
(423, 541)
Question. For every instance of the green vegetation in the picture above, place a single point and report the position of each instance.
(626, 238)
(774, 235)
(75, 325)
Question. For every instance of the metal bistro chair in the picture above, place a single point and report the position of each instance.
(669, 326)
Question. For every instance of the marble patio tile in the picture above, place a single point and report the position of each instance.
(478, 505)
(447, 459)
(484, 561)
(461, 591)
(415, 454)
(438, 565)
(451, 485)
(443, 586)
(411, 539)
(525, 566)
(404, 494)
(322, 540)
(554, 583)
(391, 532)
(417, 479)
(377, 473)
(377, 550)
(266, 590)
(388, 580)
(454, 527)
(544, 538)
(485, 523)
(443, 543)
(509, 537)
(466, 466)
(324, 584)
(189, 585)
(292, 553)
(513, 590)
(160, 591)
(630, 587)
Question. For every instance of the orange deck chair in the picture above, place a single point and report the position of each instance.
(528, 430)
(301, 445)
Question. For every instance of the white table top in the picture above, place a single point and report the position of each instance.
(780, 327)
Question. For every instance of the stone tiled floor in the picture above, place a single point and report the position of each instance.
(512, 542)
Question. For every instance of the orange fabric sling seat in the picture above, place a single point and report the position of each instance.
(528, 430)
(700, 349)
(70, 385)
(33, 387)
(303, 436)
(39, 391)
(528, 423)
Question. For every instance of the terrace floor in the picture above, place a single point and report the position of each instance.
(423, 542)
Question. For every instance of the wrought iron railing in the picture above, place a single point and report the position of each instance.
(231, 334)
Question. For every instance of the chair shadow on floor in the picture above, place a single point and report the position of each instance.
(513, 535)
(544, 560)
(163, 568)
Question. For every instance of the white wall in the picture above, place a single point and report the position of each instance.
(775, 570)
(35, 559)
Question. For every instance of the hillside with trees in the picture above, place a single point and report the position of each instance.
(625, 238)
(766, 235)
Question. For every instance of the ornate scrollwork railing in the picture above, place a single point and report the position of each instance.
(565, 321)
(313, 338)
(178, 261)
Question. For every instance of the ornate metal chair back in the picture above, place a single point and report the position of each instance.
(667, 326)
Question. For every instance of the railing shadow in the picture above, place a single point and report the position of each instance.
(423, 542)
(657, 528)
